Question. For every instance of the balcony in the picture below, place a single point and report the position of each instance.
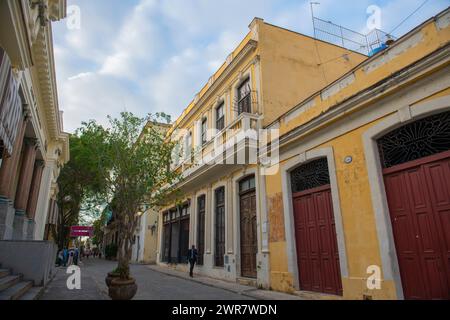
(233, 147)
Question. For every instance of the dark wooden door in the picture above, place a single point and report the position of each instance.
(418, 194)
(201, 229)
(317, 251)
(249, 246)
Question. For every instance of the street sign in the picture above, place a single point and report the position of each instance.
(81, 231)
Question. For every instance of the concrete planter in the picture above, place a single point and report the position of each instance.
(110, 278)
(122, 289)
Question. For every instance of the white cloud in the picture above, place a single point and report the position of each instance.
(156, 55)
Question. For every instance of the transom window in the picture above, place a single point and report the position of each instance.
(204, 130)
(244, 97)
(422, 138)
(311, 175)
(247, 184)
(220, 117)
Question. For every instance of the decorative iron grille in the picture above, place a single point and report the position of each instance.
(422, 138)
(311, 175)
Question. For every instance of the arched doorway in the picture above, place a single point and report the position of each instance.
(416, 170)
(315, 230)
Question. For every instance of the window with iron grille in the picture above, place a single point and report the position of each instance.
(421, 138)
(220, 117)
(244, 97)
(219, 251)
(204, 130)
(201, 205)
(311, 175)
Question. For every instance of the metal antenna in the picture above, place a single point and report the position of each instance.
(312, 15)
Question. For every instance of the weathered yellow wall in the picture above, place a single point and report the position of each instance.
(425, 41)
(151, 240)
(291, 71)
(360, 234)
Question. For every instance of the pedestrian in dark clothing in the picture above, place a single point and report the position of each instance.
(192, 258)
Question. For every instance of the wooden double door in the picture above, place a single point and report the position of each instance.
(248, 237)
(418, 194)
(316, 242)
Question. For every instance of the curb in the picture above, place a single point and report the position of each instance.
(243, 293)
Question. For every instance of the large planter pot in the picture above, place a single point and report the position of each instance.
(110, 277)
(120, 289)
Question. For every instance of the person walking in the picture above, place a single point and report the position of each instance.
(60, 258)
(76, 254)
(65, 256)
(70, 259)
(192, 258)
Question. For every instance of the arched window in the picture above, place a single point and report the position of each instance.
(311, 175)
(422, 138)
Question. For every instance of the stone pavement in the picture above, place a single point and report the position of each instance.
(244, 290)
(154, 283)
(57, 288)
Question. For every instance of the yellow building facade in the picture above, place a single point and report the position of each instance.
(221, 203)
(337, 215)
(359, 150)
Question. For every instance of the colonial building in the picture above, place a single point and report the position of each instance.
(33, 146)
(357, 205)
(360, 205)
(222, 209)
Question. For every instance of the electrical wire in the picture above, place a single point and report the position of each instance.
(404, 20)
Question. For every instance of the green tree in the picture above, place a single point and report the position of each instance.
(132, 160)
(81, 183)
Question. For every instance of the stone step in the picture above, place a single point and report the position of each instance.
(247, 282)
(16, 291)
(4, 273)
(33, 294)
(9, 281)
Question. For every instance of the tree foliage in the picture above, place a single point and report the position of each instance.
(125, 165)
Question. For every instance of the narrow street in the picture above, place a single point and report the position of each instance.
(152, 285)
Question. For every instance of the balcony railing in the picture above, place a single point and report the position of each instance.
(234, 133)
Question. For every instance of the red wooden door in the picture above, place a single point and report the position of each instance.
(249, 247)
(418, 194)
(317, 251)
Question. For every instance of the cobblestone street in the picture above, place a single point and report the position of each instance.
(152, 285)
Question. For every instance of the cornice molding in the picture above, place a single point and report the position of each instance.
(384, 87)
(248, 48)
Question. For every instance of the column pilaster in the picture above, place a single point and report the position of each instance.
(26, 175)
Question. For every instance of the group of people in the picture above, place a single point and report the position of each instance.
(68, 257)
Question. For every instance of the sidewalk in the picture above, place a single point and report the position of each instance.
(248, 291)
(57, 288)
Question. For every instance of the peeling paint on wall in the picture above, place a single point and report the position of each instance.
(338, 86)
(394, 52)
(443, 21)
(276, 218)
(303, 108)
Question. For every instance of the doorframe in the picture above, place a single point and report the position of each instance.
(289, 224)
(261, 273)
(238, 220)
(403, 115)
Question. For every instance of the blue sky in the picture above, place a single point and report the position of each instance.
(147, 56)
